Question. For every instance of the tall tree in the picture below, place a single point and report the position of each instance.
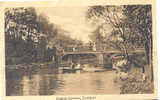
(132, 25)
(112, 15)
(20, 26)
(139, 20)
(27, 33)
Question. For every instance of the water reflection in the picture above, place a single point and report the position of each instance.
(48, 82)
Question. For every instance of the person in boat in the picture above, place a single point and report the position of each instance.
(73, 65)
(90, 45)
(94, 46)
(78, 66)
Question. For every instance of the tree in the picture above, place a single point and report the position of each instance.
(27, 33)
(132, 25)
(112, 15)
(142, 23)
(139, 18)
(49, 30)
(98, 38)
(20, 30)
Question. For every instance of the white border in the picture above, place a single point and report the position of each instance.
(158, 39)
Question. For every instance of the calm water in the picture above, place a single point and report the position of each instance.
(47, 81)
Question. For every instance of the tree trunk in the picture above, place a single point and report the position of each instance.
(148, 53)
(150, 57)
(126, 52)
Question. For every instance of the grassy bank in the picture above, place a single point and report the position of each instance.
(132, 80)
(135, 84)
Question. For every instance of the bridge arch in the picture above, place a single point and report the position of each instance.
(74, 56)
(98, 56)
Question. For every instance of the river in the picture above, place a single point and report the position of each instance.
(46, 81)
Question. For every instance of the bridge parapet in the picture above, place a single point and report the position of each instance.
(142, 50)
(89, 48)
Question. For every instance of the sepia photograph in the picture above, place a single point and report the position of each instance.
(79, 50)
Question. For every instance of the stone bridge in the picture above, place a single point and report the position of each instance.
(98, 54)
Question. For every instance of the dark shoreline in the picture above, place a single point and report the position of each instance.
(30, 65)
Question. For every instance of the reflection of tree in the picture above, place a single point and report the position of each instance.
(33, 82)
(50, 84)
(98, 83)
(14, 77)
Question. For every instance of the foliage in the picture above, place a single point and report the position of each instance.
(25, 34)
(131, 26)
(29, 35)
(139, 20)
(112, 15)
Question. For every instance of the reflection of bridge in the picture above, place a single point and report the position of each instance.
(99, 54)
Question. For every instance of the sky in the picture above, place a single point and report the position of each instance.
(71, 19)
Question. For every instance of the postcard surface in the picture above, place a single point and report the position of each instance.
(78, 50)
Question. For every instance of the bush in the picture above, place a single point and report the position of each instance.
(135, 83)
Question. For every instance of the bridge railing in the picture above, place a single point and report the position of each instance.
(76, 49)
(88, 48)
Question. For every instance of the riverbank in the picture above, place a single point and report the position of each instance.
(135, 84)
(30, 65)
